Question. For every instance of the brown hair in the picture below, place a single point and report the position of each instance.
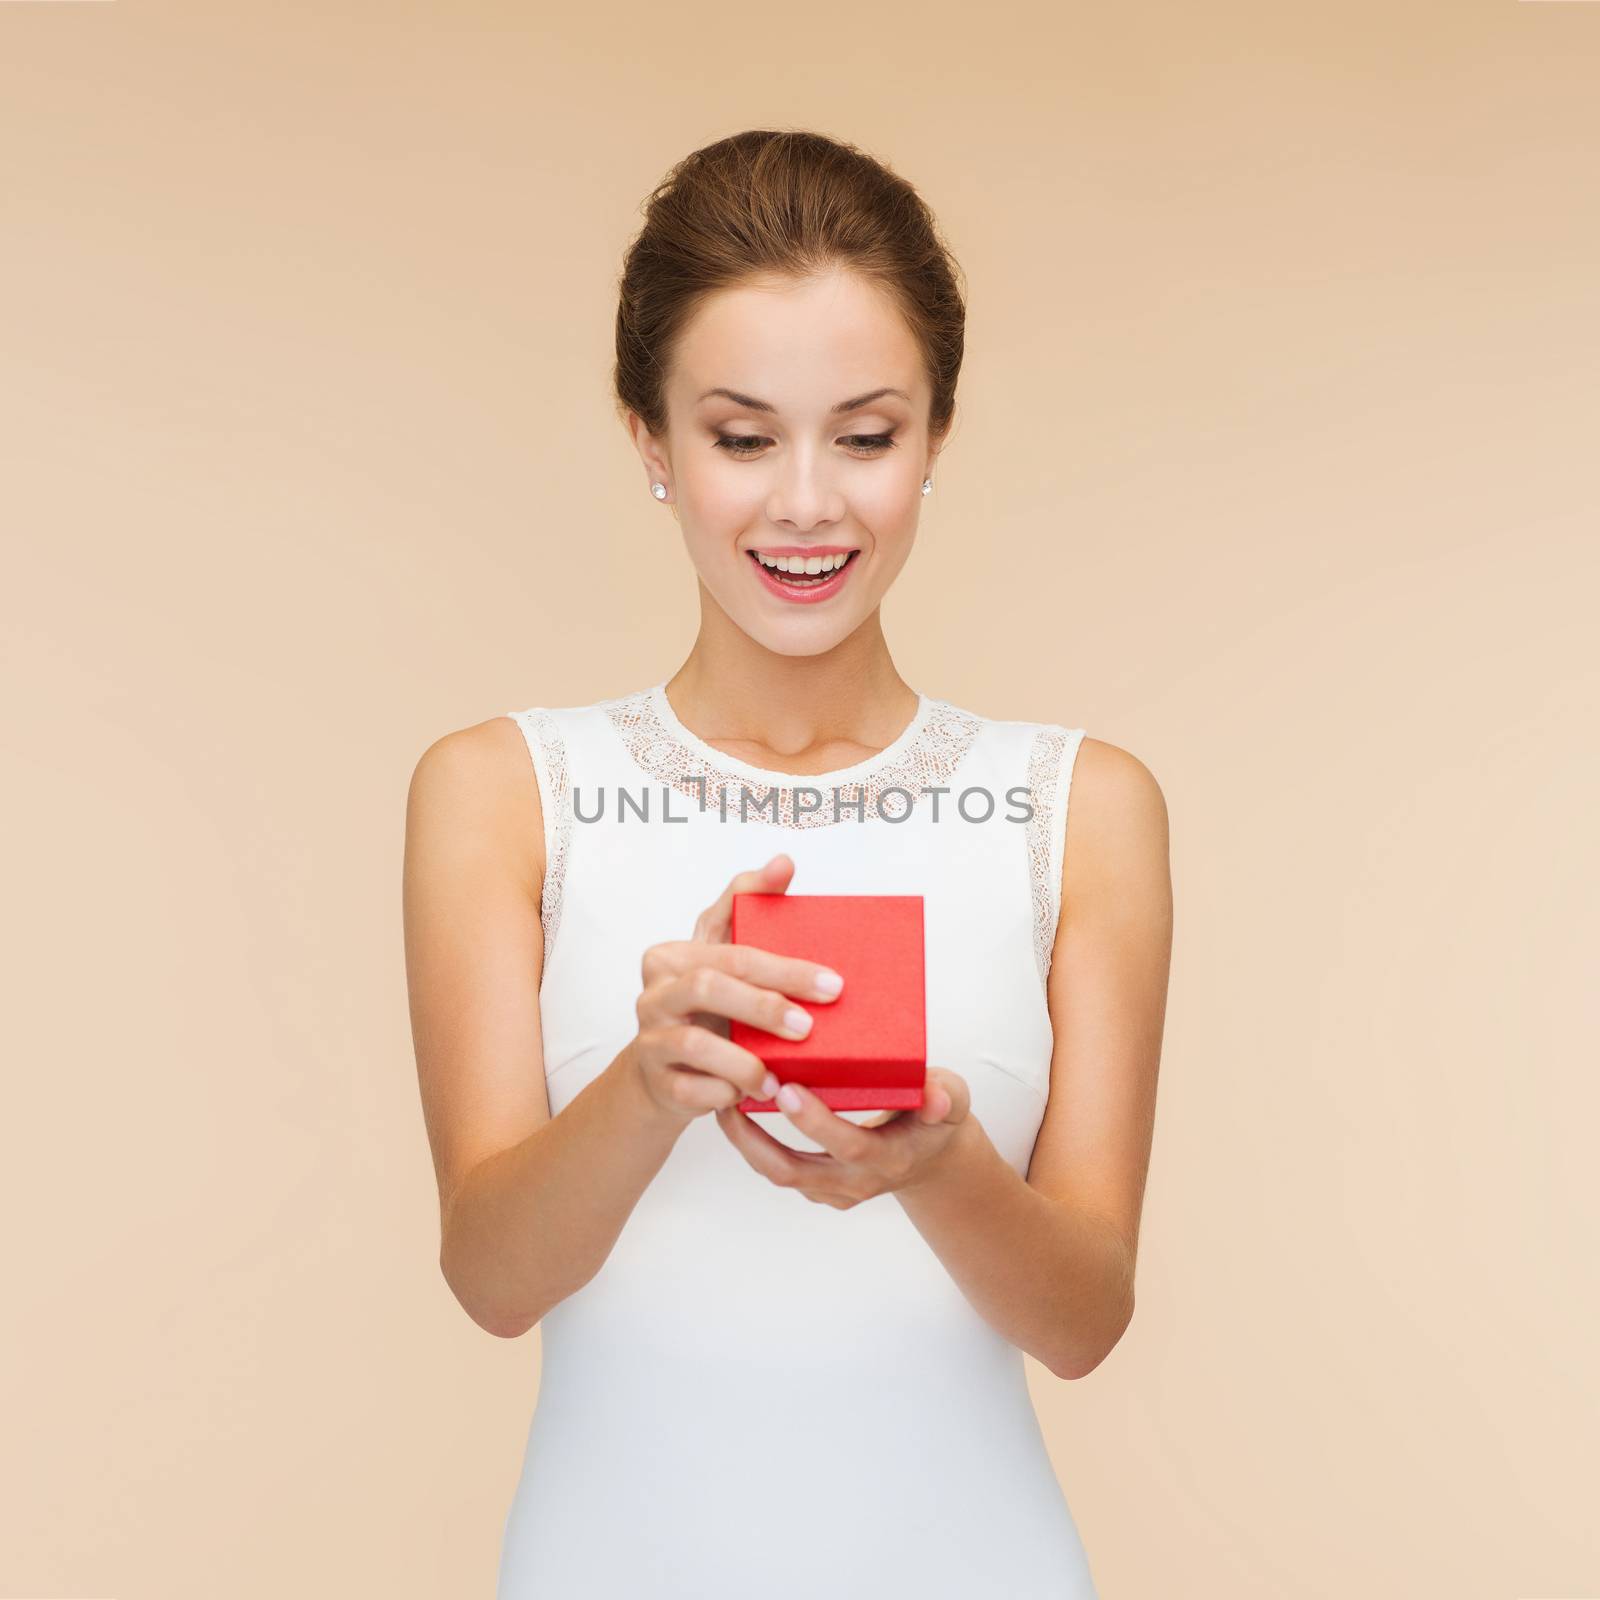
(781, 203)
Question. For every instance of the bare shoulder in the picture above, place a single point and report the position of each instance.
(1117, 824)
(1110, 781)
(477, 785)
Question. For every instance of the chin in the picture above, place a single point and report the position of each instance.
(798, 638)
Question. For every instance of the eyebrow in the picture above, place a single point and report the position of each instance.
(855, 403)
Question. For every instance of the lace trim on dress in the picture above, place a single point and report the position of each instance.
(1044, 767)
(946, 734)
(558, 819)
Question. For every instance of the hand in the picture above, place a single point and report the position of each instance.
(682, 1053)
(899, 1151)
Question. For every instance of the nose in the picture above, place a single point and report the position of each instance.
(803, 496)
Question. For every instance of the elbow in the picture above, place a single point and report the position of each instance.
(506, 1330)
(501, 1325)
(1068, 1371)
(1078, 1363)
(498, 1322)
(492, 1319)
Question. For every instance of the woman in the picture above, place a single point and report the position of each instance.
(742, 1392)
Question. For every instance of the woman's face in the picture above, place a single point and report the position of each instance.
(797, 428)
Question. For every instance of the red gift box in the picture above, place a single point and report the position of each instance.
(867, 1050)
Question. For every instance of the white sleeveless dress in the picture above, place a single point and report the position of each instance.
(756, 1394)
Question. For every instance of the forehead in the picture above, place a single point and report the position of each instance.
(804, 345)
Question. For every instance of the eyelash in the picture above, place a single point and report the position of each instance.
(728, 443)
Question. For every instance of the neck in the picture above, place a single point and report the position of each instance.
(732, 691)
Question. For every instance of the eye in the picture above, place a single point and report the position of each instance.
(859, 444)
(871, 444)
(735, 443)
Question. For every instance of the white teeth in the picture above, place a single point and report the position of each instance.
(803, 565)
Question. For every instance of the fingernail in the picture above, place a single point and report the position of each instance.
(796, 1020)
(789, 1097)
(769, 1085)
(829, 983)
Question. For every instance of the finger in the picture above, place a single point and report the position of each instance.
(686, 1044)
(706, 989)
(946, 1097)
(705, 994)
(770, 1157)
(883, 1119)
(695, 1092)
(842, 1140)
(711, 926)
(791, 975)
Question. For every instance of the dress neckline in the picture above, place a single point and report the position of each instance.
(720, 759)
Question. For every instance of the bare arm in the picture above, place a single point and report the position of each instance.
(1108, 1001)
(528, 1227)
(531, 1205)
(528, 1205)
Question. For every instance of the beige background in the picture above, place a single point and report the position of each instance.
(1275, 465)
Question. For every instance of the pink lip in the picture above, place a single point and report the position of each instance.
(830, 585)
(805, 549)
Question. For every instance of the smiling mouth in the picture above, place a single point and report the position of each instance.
(800, 580)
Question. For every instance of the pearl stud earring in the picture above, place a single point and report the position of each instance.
(659, 490)
(927, 485)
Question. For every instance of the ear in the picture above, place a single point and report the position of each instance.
(656, 465)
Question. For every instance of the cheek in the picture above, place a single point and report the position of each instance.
(716, 493)
(889, 510)
(890, 493)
